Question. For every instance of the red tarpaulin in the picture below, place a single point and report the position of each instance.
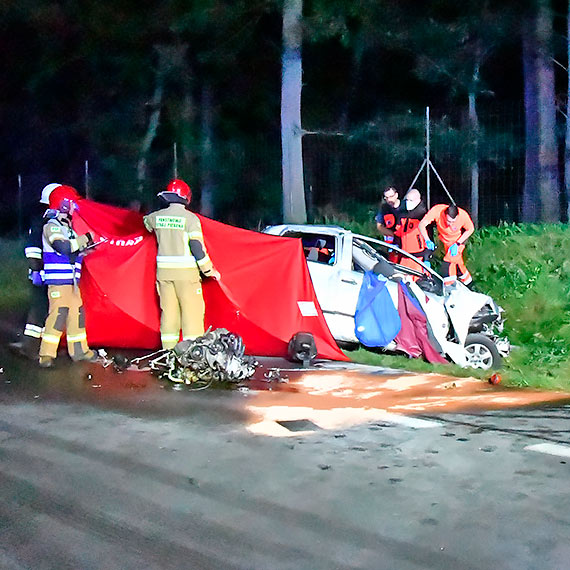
(265, 294)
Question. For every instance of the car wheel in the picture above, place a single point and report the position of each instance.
(482, 352)
(348, 345)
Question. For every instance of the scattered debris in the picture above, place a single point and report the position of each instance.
(120, 363)
(216, 356)
(495, 379)
(274, 375)
(450, 386)
(299, 425)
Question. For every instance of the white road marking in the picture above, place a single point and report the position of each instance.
(326, 419)
(550, 448)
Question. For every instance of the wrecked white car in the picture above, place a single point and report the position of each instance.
(466, 325)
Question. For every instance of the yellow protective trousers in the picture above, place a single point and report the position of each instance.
(182, 306)
(65, 314)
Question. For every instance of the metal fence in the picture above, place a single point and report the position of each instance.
(344, 172)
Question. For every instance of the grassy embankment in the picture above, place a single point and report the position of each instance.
(14, 289)
(526, 269)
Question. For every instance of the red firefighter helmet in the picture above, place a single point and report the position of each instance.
(60, 193)
(180, 188)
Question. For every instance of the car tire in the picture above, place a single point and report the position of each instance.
(482, 352)
(348, 345)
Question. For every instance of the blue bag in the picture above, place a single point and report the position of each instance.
(376, 320)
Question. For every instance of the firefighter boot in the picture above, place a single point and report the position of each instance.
(46, 362)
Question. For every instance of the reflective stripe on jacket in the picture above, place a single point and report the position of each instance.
(410, 236)
(33, 249)
(60, 269)
(181, 252)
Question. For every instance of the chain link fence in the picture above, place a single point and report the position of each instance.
(345, 172)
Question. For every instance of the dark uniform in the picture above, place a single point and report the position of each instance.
(38, 309)
(388, 216)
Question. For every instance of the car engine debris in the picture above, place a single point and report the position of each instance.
(217, 356)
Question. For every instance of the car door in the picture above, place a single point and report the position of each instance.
(323, 270)
(336, 284)
(348, 281)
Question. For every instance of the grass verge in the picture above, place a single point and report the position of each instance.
(15, 292)
(526, 269)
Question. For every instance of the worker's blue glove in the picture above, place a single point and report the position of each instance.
(36, 278)
(453, 250)
(430, 244)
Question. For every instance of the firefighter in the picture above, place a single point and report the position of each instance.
(387, 218)
(29, 346)
(407, 229)
(454, 227)
(62, 257)
(181, 258)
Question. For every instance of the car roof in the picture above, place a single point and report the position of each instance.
(314, 228)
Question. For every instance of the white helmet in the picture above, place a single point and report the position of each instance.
(47, 191)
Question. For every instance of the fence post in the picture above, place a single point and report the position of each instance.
(87, 179)
(20, 221)
(428, 161)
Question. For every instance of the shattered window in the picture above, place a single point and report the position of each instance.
(319, 248)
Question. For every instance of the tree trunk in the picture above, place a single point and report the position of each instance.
(152, 128)
(530, 201)
(294, 208)
(186, 125)
(164, 57)
(548, 182)
(338, 144)
(207, 170)
(474, 158)
(567, 141)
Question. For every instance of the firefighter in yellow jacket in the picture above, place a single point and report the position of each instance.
(181, 258)
(62, 258)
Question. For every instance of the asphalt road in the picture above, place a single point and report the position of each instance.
(100, 470)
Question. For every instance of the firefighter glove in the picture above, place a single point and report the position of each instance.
(36, 278)
(453, 250)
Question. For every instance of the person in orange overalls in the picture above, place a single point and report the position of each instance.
(407, 230)
(454, 227)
